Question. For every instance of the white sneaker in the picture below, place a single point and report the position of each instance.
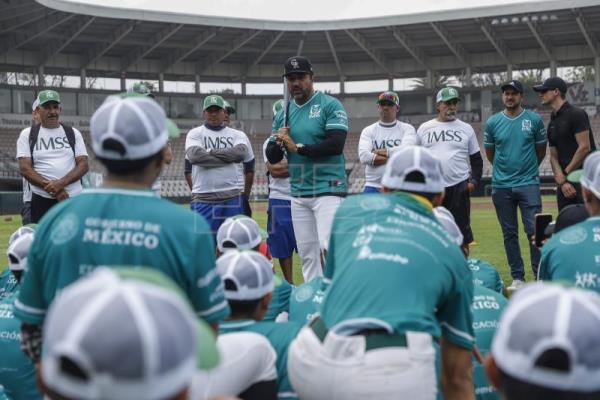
(515, 285)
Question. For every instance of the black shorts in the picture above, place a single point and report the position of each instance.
(458, 201)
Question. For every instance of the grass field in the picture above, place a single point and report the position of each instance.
(488, 236)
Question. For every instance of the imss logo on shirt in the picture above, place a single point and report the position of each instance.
(52, 143)
(444, 135)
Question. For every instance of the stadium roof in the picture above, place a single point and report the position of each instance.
(353, 42)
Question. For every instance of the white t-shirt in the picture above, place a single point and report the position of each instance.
(279, 188)
(380, 136)
(218, 179)
(52, 156)
(246, 358)
(452, 143)
(26, 191)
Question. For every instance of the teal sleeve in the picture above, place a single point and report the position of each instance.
(499, 283)
(207, 292)
(280, 301)
(329, 260)
(540, 132)
(544, 268)
(277, 122)
(335, 116)
(455, 315)
(488, 134)
(30, 306)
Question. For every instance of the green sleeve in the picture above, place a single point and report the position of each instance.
(499, 286)
(335, 116)
(455, 315)
(544, 268)
(206, 289)
(540, 132)
(30, 306)
(277, 122)
(488, 134)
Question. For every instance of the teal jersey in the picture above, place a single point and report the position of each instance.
(17, 372)
(392, 265)
(115, 227)
(308, 123)
(487, 308)
(280, 335)
(573, 255)
(485, 274)
(514, 140)
(305, 301)
(8, 283)
(280, 301)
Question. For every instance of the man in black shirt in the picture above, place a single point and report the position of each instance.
(569, 136)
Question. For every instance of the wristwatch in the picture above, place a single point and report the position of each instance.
(299, 147)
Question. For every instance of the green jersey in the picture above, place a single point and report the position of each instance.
(8, 283)
(487, 308)
(573, 255)
(514, 141)
(485, 274)
(305, 301)
(280, 301)
(308, 123)
(280, 335)
(17, 372)
(391, 265)
(115, 227)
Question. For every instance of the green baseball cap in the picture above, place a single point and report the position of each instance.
(278, 106)
(447, 94)
(46, 96)
(213, 100)
(141, 88)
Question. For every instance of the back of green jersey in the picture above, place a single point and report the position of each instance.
(487, 308)
(390, 260)
(305, 301)
(486, 275)
(110, 227)
(308, 124)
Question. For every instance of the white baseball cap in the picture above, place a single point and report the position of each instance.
(548, 337)
(446, 219)
(21, 231)
(411, 159)
(123, 335)
(247, 275)
(136, 122)
(18, 251)
(238, 232)
(589, 176)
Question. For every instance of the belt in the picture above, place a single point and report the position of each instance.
(372, 340)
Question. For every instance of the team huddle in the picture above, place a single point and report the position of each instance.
(114, 293)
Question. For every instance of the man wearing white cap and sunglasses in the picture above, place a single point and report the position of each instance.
(123, 223)
(546, 347)
(572, 254)
(397, 282)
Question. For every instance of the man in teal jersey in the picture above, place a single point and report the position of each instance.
(249, 283)
(306, 300)
(243, 233)
(123, 223)
(313, 131)
(486, 275)
(573, 254)
(389, 296)
(515, 144)
(17, 372)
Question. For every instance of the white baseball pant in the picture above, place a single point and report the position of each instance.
(339, 368)
(312, 218)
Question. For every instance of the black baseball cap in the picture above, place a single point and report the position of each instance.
(297, 65)
(552, 83)
(570, 215)
(513, 84)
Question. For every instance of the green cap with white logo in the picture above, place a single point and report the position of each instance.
(447, 94)
(46, 96)
(213, 100)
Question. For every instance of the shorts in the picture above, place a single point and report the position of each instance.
(216, 213)
(370, 189)
(281, 240)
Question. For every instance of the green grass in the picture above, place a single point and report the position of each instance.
(486, 229)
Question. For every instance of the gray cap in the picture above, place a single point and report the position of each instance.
(238, 232)
(111, 338)
(19, 232)
(446, 219)
(409, 159)
(548, 336)
(18, 251)
(134, 121)
(247, 275)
